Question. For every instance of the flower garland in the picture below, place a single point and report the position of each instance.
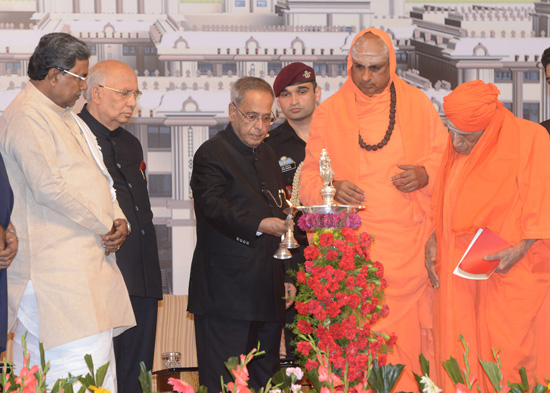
(295, 198)
(317, 221)
(340, 297)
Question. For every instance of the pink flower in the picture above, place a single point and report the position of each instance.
(324, 375)
(180, 386)
(241, 373)
(27, 379)
(296, 371)
(238, 389)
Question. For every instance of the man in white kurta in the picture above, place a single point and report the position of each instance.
(64, 286)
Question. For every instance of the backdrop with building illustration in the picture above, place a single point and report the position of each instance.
(187, 53)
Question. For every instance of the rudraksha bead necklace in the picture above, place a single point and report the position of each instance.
(386, 139)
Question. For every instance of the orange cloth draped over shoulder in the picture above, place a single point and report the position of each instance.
(502, 185)
(398, 222)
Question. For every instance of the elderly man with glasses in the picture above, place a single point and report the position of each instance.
(237, 288)
(65, 288)
(112, 97)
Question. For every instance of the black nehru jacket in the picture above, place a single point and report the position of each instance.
(290, 150)
(138, 257)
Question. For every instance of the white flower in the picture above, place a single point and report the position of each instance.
(296, 388)
(296, 371)
(429, 385)
(275, 391)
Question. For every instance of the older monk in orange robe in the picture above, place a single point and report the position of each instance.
(495, 175)
(385, 141)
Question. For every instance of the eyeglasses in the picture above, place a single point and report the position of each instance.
(125, 93)
(253, 117)
(82, 78)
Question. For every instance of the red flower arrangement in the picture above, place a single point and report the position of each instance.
(340, 298)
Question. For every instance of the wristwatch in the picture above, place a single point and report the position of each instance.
(129, 227)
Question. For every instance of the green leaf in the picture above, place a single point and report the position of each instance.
(202, 389)
(232, 364)
(452, 368)
(68, 389)
(313, 376)
(421, 386)
(57, 386)
(281, 380)
(424, 365)
(145, 378)
(100, 374)
(516, 388)
(524, 379)
(67, 384)
(540, 388)
(383, 379)
(86, 381)
(89, 362)
(492, 371)
(42, 356)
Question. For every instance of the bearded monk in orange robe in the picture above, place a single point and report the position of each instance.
(495, 175)
(385, 141)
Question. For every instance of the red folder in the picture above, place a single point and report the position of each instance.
(472, 265)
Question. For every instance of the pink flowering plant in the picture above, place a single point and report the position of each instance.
(375, 378)
(340, 298)
(33, 379)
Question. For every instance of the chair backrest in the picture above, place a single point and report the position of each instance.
(175, 331)
(7, 356)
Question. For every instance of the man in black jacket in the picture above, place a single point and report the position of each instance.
(297, 95)
(237, 288)
(112, 94)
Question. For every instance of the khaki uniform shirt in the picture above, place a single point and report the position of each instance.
(62, 205)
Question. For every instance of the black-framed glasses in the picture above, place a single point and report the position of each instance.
(82, 78)
(124, 93)
(253, 117)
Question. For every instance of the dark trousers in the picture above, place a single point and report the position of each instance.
(289, 334)
(136, 345)
(218, 339)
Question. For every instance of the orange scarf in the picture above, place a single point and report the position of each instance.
(488, 179)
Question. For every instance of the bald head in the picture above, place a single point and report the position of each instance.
(112, 93)
(370, 70)
(370, 44)
(106, 71)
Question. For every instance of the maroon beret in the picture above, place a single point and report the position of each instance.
(293, 74)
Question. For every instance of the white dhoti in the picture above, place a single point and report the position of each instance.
(66, 358)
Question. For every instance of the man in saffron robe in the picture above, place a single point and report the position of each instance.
(494, 175)
(384, 154)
